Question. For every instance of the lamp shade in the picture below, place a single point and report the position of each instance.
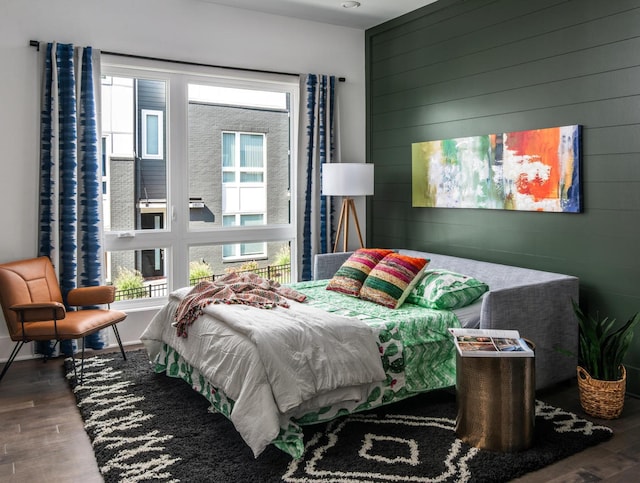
(347, 179)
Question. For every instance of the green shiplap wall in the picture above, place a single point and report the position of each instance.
(468, 67)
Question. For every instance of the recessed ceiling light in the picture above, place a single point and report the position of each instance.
(350, 4)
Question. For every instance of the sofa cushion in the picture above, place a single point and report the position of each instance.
(349, 278)
(442, 289)
(392, 279)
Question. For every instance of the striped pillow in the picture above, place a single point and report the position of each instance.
(391, 281)
(350, 276)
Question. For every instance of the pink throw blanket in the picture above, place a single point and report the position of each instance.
(246, 288)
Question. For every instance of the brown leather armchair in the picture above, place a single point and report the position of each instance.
(33, 308)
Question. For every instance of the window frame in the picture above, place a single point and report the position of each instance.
(177, 236)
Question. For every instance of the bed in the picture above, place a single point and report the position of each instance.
(223, 362)
(347, 355)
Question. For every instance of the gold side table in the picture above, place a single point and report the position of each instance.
(496, 402)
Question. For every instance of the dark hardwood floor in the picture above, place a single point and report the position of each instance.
(42, 437)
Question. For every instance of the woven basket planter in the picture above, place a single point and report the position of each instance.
(601, 399)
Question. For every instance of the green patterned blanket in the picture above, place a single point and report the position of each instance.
(416, 349)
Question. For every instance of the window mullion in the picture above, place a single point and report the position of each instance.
(178, 198)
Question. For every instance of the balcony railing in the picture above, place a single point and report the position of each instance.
(278, 273)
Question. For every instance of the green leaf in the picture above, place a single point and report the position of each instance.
(391, 350)
(375, 394)
(384, 336)
(388, 396)
(396, 366)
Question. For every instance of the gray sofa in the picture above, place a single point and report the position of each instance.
(536, 303)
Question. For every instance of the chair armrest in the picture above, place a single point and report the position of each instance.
(37, 312)
(84, 296)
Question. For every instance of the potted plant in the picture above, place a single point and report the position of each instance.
(601, 375)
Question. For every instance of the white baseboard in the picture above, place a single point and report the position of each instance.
(7, 345)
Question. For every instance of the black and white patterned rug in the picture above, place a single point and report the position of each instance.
(150, 427)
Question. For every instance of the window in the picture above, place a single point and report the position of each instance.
(198, 174)
(117, 129)
(203, 260)
(243, 250)
(243, 189)
(152, 138)
(243, 157)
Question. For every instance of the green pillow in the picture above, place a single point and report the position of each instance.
(442, 289)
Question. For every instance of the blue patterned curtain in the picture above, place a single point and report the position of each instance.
(318, 140)
(70, 225)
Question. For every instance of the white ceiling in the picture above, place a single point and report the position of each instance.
(369, 14)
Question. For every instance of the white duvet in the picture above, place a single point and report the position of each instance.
(274, 363)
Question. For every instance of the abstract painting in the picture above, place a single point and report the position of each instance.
(536, 170)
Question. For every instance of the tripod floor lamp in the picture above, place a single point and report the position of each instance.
(347, 180)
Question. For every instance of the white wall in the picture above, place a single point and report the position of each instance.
(189, 30)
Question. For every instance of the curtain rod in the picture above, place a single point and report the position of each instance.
(36, 44)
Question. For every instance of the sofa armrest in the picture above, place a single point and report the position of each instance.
(325, 265)
(543, 313)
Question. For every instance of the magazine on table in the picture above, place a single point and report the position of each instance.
(490, 343)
